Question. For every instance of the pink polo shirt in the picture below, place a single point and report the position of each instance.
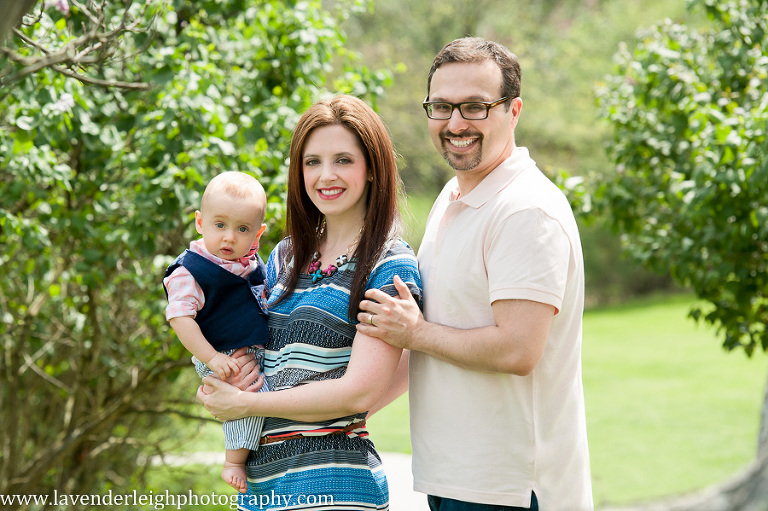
(491, 437)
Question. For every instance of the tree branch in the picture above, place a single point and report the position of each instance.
(42, 374)
(102, 83)
(14, 11)
(173, 411)
(762, 442)
(78, 52)
(29, 475)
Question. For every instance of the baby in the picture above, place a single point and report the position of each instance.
(217, 297)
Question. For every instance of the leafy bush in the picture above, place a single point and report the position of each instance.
(104, 154)
(690, 118)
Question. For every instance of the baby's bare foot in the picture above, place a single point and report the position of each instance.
(234, 475)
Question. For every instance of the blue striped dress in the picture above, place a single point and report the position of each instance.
(310, 339)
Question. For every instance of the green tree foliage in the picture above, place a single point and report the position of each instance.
(98, 184)
(689, 110)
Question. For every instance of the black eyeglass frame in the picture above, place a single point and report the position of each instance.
(426, 104)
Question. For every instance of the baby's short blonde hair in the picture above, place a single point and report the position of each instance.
(237, 185)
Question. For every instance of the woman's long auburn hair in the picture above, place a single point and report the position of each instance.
(382, 217)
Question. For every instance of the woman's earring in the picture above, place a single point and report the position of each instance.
(370, 178)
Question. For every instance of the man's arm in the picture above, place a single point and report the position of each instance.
(514, 344)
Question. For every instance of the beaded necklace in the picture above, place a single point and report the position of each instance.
(318, 274)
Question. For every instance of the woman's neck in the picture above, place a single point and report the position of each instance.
(340, 237)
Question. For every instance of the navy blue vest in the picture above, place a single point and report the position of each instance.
(235, 313)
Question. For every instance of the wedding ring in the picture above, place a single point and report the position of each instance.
(370, 318)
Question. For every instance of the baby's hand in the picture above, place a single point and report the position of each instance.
(223, 365)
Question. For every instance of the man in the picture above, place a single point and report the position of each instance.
(496, 397)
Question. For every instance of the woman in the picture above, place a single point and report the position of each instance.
(342, 223)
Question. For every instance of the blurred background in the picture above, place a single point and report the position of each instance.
(650, 115)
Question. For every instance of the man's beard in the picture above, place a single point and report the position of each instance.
(462, 162)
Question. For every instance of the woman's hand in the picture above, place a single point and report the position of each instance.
(224, 401)
(249, 376)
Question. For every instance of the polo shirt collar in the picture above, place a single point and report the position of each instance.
(498, 179)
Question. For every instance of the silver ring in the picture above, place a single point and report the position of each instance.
(370, 318)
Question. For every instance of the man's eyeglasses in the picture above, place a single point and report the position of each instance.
(471, 110)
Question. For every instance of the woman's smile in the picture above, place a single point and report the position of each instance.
(331, 193)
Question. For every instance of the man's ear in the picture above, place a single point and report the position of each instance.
(516, 107)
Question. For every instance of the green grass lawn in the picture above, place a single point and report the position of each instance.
(668, 410)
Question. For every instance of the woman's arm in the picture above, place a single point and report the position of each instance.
(397, 387)
(371, 366)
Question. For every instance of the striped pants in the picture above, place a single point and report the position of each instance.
(242, 433)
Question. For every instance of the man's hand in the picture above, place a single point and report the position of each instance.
(393, 319)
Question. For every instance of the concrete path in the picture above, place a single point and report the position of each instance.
(401, 494)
